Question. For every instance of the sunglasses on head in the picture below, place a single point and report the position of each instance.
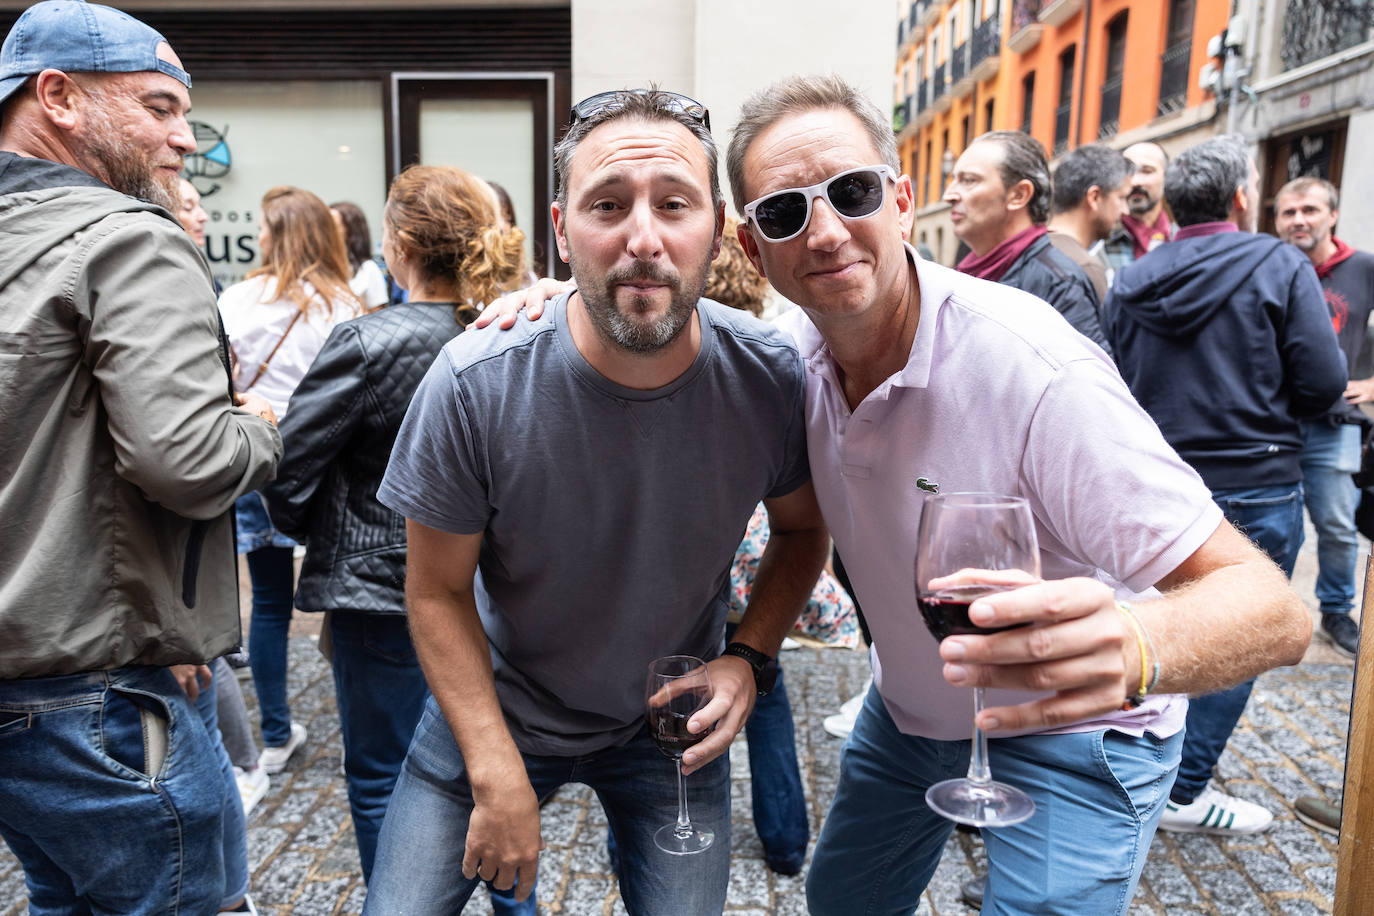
(853, 194)
(672, 101)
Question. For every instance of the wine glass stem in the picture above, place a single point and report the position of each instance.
(978, 770)
(684, 826)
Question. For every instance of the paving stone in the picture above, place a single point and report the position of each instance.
(1323, 878)
(1292, 742)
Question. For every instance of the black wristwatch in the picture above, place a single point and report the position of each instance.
(765, 667)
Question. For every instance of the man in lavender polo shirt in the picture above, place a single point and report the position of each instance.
(915, 371)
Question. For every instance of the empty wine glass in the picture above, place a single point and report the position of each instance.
(967, 540)
(676, 689)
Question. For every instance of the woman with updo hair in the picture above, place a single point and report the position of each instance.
(443, 241)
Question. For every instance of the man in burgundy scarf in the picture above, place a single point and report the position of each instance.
(999, 200)
(1305, 215)
(1147, 226)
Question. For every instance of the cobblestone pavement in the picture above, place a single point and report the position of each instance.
(1290, 743)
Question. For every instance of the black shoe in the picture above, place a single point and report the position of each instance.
(788, 865)
(1342, 632)
(1316, 811)
(971, 892)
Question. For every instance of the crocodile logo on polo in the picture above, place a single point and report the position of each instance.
(929, 486)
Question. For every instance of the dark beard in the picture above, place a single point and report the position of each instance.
(632, 336)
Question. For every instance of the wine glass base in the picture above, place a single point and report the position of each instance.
(670, 841)
(993, 804)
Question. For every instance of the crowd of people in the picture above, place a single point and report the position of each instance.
(504, 520)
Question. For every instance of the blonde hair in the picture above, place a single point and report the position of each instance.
(305, 246)
(733, 280)
(448, 223)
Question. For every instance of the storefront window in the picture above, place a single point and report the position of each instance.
(325, 136)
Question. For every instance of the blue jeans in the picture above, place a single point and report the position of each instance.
(381, 692)
(96, 831)
(1272, 518)
(774, 782)
(272, 570)
(1098, 798)
(774, 778)
(420, 855)
(1330, 454)
(235, 833)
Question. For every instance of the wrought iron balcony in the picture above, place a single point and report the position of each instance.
(986, 39)
(922, 97)
(1025, 25)
(1173, 77)
(937, 84)
(987, 46)
(1313, 29)
(1110, 121)
(958, 63)
(1061, 127)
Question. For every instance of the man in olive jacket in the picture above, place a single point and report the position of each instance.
(121, 454)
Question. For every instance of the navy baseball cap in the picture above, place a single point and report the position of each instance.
(79, 37)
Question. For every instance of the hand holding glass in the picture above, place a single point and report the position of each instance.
(965, 541)
(677, 688)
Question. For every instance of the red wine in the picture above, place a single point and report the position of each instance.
(669, 730)
(946, 611)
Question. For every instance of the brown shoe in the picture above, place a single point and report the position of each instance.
(1320, 813)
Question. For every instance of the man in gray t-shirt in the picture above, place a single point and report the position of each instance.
(574, 494)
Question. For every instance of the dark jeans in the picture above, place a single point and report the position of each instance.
(1272, 518)
(272, 570)
(381, 693)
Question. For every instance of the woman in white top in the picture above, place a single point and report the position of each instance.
(368, 283)
(277, 320)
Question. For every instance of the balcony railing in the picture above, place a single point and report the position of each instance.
(1025, 25)
(1110, 121)
(922, 97)
(937, 84)
(1173, 77)
(1024, 13)
(1313, 29)
(958, 63)
(1061, 127)
(986, 39)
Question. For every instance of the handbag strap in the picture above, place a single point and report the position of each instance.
(281, 340)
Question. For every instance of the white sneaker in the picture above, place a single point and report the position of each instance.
(253, 785)
(1215, 812)
(273, 759)
(842, 723)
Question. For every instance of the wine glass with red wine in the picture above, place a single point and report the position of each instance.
(677, 687)
(966, 546)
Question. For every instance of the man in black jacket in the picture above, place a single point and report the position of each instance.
(1223, 337)
(999, 199)
(1305, 214)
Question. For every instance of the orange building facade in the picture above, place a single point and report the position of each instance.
(1068, 72)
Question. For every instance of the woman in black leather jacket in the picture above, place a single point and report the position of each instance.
(443, 240)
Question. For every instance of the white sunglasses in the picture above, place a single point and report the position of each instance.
(853, 194)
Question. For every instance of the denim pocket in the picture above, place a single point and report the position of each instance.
(133, 732)
(14, 723)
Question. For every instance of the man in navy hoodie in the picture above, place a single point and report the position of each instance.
(1223, 337)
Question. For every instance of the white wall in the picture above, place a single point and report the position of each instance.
(1356, 225)
(721, 51)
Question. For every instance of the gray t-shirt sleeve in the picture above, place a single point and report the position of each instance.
(796, 467)
(434, 476)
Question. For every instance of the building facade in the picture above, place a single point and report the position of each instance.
(337, 96)
(1068, 72)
